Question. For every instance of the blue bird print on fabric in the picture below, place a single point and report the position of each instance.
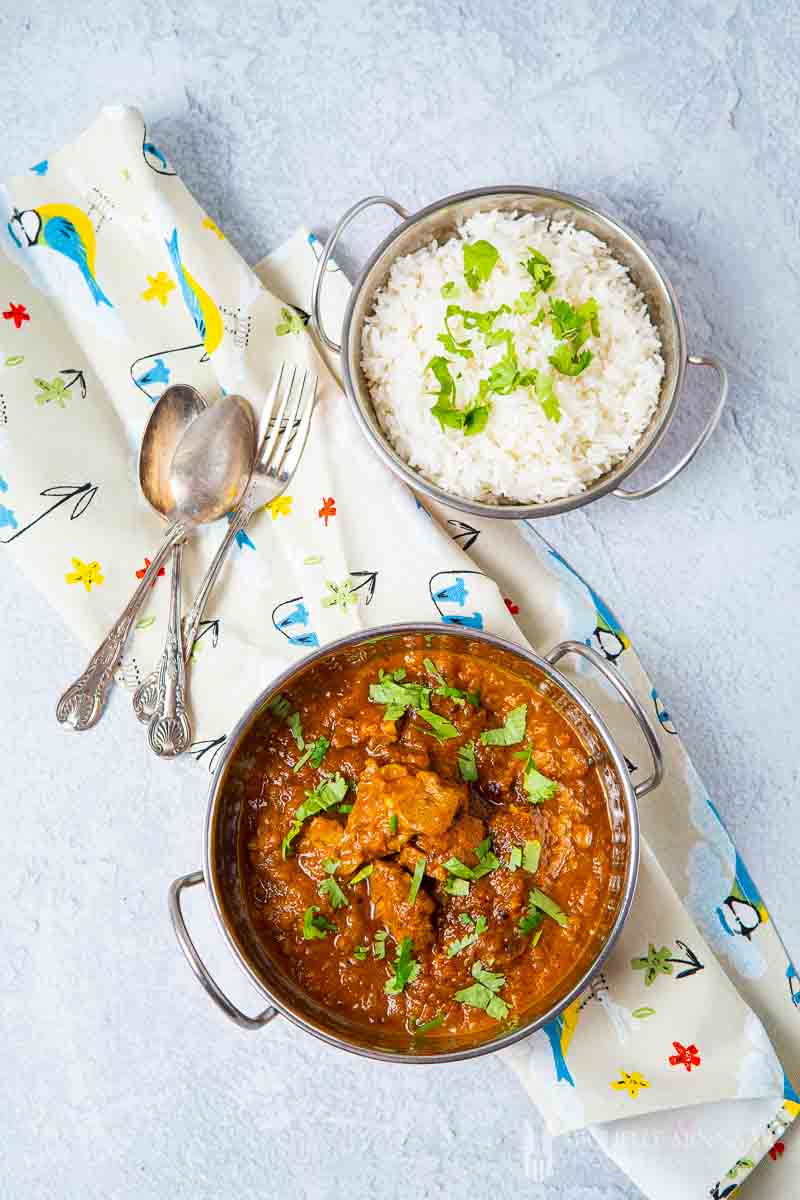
(155, 158)
(65, 229)
(6, 515)
(794, 985)
(158, 373)
(40, 168)
(449, 593)
(743, 911)
(559, 1033)
(291, 618)
(610, 636)
(203, 310)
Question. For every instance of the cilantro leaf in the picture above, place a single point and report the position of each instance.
(364, 873)
(503, 375)
(456, 887)
(531, 854)
(532, 920)
(444, 409)
(314, 925)
(480, 259)
(472, 319)
(526, 302)
(393, 824)
(330, 792)
(360, 953)
(547, 397)
(314, 754)
(329, 888)
(467, 766)
(567, 323)
(449, 289)
(379, 943)
(487, 861)
(441, 728)
(515, 858)
(448, 338)
(540, 906)
(479, 926)
(568, 363)
(483, 994)
(419, 871)
(538, 786)
(296, 730)
(279, 705)
(434, 1023)
(398, 696)
(406, 969)
(540, 270)
(511, 731)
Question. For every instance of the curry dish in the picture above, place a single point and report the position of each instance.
(425, 842)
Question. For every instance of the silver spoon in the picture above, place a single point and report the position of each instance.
(221, 470)
(221, 436)
(173, 414)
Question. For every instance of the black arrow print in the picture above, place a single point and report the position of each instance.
(200, 749)
(211, 627)
(77, 377)
(64, 492)
(368, 580)
(467, 534)
(691, 961)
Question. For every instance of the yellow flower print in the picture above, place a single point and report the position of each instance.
(160, 287)
(85, 573)
(281, 506)
(214, 227)
(631, 1082)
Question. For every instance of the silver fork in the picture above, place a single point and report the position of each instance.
(282, 435)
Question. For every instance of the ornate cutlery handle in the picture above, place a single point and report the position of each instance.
(170, 732)
(81, 705)
(145, 696)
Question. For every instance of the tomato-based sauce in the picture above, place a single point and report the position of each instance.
(441, 856)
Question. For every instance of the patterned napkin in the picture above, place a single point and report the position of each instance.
(118, 284)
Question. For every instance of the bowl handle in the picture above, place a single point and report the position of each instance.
(697, 360)
(198, 966)
(316, 287)
(618, 683)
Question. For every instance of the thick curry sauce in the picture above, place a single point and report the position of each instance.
(440, 861)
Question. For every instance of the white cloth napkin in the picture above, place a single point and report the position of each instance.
(118, 284)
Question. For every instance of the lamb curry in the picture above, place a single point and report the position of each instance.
(426, 845)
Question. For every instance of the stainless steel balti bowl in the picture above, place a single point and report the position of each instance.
(223, 874)
(438, 222)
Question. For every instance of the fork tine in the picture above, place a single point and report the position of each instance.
(292, 410)
(294, 454)
(266, 452)
(265, 420)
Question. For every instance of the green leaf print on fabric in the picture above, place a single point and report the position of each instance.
(52, 392)
(340, 595)
(656, 962)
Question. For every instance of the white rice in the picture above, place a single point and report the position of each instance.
(520, 455)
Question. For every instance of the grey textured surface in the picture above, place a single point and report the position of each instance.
(119, 1080)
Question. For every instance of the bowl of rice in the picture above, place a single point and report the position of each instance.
(513, 352)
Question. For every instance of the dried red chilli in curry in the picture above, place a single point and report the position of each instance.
(426, 857)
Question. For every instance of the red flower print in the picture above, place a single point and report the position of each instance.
(16, 313)
(140, 574)
(686, 1056)
(511, 606)
(328, 509)
(776, 1151)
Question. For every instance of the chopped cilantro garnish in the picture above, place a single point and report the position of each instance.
(469, 420)
(546, 396)
(487, 861)
(570, 324)
(515, 858)
(511, 731)
(456, 887)
(467, 765)
(398, 696)
(434, 1023)
(449, 289)
(530, 856)
(441, 728)
(419, 871)
(540, 270)
(293, 721)
(329, 888)
(480, 259)
(483, 994)
(292, 322)
(279, 705)
(448, 338)
(540, 906)
(314, 753)
(457, 695)
(482, 321)
(566, 362)
(393, 824)
(479, 926)
(314, 925)
(379, 944)
(526, 302)
(538, 786)
(345, 808)
(330, 792)
(361, 952)
(406, 969)
(364, 873)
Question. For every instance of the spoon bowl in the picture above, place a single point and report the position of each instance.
(213, 460)
(174, 412)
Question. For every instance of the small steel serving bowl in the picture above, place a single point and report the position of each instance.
(223, 851)
(438, 222)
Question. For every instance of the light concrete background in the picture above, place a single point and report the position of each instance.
(118, 1078)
